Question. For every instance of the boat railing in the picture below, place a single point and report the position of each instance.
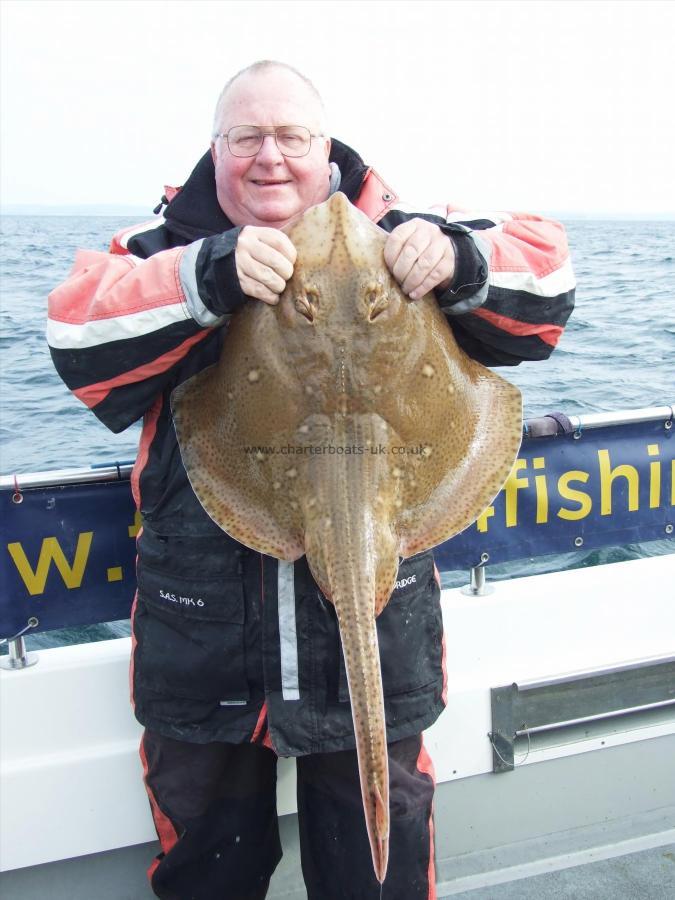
(553, 709)
(579, 482)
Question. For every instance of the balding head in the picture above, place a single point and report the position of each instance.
(270, 69)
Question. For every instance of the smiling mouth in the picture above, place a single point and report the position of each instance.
(260, 183)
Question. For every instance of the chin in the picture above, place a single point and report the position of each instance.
(278, 215)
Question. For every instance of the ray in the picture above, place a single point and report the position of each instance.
(399, 441)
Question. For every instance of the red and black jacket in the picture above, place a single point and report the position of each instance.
(229, 645)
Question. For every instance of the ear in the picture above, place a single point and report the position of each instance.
(213, 152)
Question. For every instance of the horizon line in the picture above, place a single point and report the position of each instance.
(132, 209)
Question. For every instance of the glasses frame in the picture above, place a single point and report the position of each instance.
(267, 132)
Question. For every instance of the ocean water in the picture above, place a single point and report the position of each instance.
(617, 353)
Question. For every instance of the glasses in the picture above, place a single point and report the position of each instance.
(246, 140)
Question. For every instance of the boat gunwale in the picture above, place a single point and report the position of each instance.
(121, 471)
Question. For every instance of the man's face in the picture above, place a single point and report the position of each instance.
(270, 189)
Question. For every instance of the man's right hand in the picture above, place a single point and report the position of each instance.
(264, 259)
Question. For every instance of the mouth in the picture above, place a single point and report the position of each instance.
(270, 182)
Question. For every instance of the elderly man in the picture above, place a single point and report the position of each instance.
(129, 326)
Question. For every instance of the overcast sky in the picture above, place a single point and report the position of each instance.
(548, 106)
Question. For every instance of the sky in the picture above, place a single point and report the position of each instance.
(559, 107)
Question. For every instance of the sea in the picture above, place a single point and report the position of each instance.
(617, 353)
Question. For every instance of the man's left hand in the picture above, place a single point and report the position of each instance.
(420, 257)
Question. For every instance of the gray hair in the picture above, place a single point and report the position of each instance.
(264, 65)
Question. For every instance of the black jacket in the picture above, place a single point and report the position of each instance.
(230, 645)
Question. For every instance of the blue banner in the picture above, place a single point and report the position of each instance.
(603, 487)
(69, 556)
(68, 553)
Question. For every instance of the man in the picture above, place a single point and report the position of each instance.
(211, 617)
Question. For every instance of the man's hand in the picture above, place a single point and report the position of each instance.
(264, 259)
(420, 257)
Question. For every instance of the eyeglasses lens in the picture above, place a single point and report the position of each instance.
(246, 140)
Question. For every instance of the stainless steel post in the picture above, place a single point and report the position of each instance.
(477, 586)
(18, 658)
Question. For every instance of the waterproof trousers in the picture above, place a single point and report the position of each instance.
(214, 807)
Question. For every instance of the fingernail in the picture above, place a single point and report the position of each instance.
(414, 295)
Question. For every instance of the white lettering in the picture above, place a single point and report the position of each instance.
(181, 601)
(404, 582)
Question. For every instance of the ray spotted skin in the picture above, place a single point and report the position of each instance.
(423, 439)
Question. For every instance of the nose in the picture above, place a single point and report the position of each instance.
(269, 152)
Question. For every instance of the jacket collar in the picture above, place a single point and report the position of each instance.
(194, 212)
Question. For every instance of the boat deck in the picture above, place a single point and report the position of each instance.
(119, 875)
(646, 875)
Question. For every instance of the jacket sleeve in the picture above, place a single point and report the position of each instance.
(519, 310)
(120, 325)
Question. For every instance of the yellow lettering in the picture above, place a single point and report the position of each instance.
(654, 478)
(136, 527)
(511, 488)
(568, 493)
(542, 492)
(35, 580)
(607, 477)
(482, 520)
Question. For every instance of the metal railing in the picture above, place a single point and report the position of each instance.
(119, 471)
(533, 707)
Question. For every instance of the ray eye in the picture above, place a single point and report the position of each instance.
(306, 303)
(376, 300)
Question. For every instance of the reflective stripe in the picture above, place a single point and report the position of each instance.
(290, 685)
(557, 282)
(76, 336)
(122, 238)
(480, 296)
(188, 279)
(473, 215)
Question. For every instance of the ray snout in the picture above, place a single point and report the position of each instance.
(336, 233)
